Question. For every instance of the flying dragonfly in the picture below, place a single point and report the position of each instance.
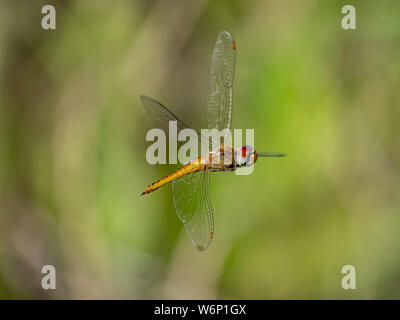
(190, 184)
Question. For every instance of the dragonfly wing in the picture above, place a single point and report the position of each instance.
(161, 115)
(219, 102)
(193, 207)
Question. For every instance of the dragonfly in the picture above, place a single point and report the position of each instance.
(190, 183)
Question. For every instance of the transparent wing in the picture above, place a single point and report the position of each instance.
(193, 207)
(219, 102)
(162, 116)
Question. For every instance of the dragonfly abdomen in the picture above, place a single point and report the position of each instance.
(191, 167)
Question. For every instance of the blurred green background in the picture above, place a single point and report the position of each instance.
(72, 149)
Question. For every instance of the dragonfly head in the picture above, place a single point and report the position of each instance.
(246, 156)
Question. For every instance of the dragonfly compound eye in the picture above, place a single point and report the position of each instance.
(243, 156)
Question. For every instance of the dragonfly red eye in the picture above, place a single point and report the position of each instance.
(244, 152)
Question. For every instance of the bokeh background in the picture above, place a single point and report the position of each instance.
(72, 149)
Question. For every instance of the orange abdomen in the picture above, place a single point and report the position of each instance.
(191, 167)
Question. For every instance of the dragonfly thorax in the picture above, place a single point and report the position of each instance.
(222, 159)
